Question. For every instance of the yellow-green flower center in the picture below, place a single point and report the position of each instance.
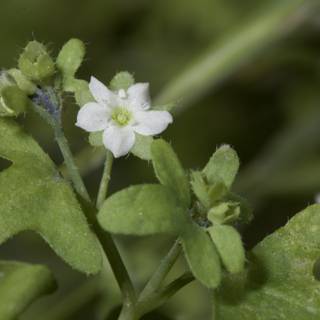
(121, 116)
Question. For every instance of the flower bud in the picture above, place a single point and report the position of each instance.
(122, 80)
(225, 212)
(13, 101)
(22, 81)
(35, 62)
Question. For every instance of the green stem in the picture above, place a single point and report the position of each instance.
(165, 266)
(103, 189)
(158, 298)
(71, 166)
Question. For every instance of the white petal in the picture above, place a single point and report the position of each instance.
(93, 117)
(139, 95)
(119, 140)
(101, 93)
(149, 123)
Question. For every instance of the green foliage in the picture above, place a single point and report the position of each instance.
(280, 282)
(122, 80)
(96, 138)
(169, 171)
(22, 81)
(142, 147)
(34, 197)
(70, 57)
(201, 255)
(229, 245)
(142, 210)
(13, 101)
(35, 62)
(222, 166)
(20, 285)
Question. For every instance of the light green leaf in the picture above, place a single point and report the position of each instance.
(200, 188)
(169, 171)
(201, 255)
(142, 210)
(70, 57)
(229, 245)
(142, 147)
(280, 283)
(222, 166)
(20, 285)
(34, 197)
(122, 80)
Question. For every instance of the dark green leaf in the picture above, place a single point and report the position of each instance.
(20, 285)
(34, 197)
(280, 283)
(141, 210)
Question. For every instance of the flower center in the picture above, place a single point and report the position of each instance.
(121, 116)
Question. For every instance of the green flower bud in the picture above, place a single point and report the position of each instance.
(13, 101)
(35, 62)
(122, 80)
(22, 81)
(225, 212)
(71, 57)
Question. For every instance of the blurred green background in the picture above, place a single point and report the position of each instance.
(246, 73)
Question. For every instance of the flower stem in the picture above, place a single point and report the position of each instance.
(165, 266)
(103, 189)
(71, 166)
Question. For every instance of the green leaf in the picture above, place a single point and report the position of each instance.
(142, 147)
(142, 210)
(222, 166)
(70, 57)
(122, 80)
(34, 197)
(200, 188)
(201, 255)
(169, 171)
(229, 245)
(20, 285)
(280, 283)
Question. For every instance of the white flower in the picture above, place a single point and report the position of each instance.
(120, 115)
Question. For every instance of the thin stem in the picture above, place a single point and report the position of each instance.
(103, 189)
(158, 298)
(159, 275)
(71, 166)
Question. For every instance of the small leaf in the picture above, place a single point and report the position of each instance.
(201, 255)
(142, 210)
(222, 166)
(169, 171)
(200, 188)
(280, 282)
(70, 57)
(34, 197)
(229, 245)
(20, 285)
(122, 80)
(142, 147)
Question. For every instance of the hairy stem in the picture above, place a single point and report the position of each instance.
(103, 189)
(165, 266)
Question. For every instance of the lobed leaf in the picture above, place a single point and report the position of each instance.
(201, 255)
(34, 197)
(142, 210)
(20, 285)
(281, 282)
(169, 171)
(222, 166)
(229, 245)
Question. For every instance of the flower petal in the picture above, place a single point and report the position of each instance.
(101, 93)
(93, 117)
(139, 96)
(149, 123)
(119, 140)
